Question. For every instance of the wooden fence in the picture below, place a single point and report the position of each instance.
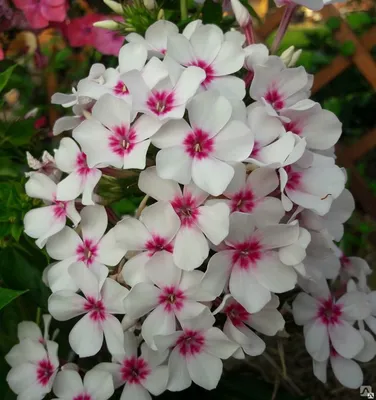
(362, 59)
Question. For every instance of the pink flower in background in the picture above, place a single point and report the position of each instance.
(39, 13)
(1, 54)
(80, 31)
(108, 42)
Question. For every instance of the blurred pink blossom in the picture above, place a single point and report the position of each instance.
(40, 12)
(108, 42)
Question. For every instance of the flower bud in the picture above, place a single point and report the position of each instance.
(287, 55)
(295, 58)
(241, 13)
(161, 14)
(107, 24)
(115, 6)
(149, 4)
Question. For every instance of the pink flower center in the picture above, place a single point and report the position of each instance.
(198, 144)
(186, 208)
(294, 127)
(161, 102)
(60, 209)
(209, 71)
(158, 243)
(135, 370)
(190, 343)
(83, 396)
(45, 370)
(237, 314)
(242, 201)
(122, 140)
(274, 98)
(293, 178)
(329, 313)
(172, 298)
(81, 165)
(345, 262)
(95, 308)
(120, 89)
(87, 251)
(247, 253)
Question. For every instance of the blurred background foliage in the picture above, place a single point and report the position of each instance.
(35, 63)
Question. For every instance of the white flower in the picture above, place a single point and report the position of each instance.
(33, 370)
(66, 123)
(267, 321)
(196, 353)
(46, 166)
(255, 54)
(311, 4)
(198, 222)
(81, 179)
(203, 150)
(250, 264)
(241, 13)
(176, 295)
(151, 236)
(95, 249)
(140, 374)
(248, 194)
(217, 57)
(329, 322)
(155, 37)
(96, 385)
(42, 223)
(109, 138)
(99, 300)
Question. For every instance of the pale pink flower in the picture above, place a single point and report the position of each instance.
(199, 222)
(42, 223)
(39, 13)
(171, 295)
(140, 374)
(196, 353)
(96, 385)
(46, 166)
(81, 179)
(152, 236)
(311, 4)
(110, 138)
(33, 369)
(100, 299)
(93, 248)
(200, 151)
(249, 262)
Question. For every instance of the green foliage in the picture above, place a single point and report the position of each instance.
(333, 23)
(8, 295)
(348, 48)
(4, 76)
(212, 12)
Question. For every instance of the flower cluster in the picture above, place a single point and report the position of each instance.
(243, 201)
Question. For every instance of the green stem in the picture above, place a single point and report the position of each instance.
(38, 317)
(183, 10)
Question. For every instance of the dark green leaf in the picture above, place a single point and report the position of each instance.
(8, 295)
(16, 231)
(211, 12)
(7, 168)
(20, 132)
(4, 76)
(348, 48)
(333, 23)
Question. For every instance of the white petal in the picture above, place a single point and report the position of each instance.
(85, 279)
(133, 271)
(278, 235)
(319, 370)
(29, 330)
(205, 370)
(304, 308)
(142, 298)
(211, 175)
(218, 344)
(67, 384)
(355, 306)
(369, 350)
(112, 111)
(348, 372)
(40, 186)
(93, 222)
(207, 41)
(214, 221)
(191, 248)
(131, 234)
(346, 340)
(267, 321)
(134, 391)
(99, 384)
(113, 333)
(86, 337)
(64, 244)
(113, 295)
(187, 85)
(171, 134)
(136, 159)
(179, 377)
(317, 340)
(110, 251)
(230, 59)
(156, 381)
(174, 163)
(180, 49)
(64, 305)
(132, 56)
(162, 270)
(66, 155)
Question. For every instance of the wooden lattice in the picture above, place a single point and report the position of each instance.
(347, 156)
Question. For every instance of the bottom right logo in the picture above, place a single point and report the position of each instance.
(366, 391)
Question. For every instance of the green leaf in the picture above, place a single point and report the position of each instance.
(4, 76)
(348, 48)
(8, 295)
(211, 12)
(333, 23)
(7, 168)
(21, 131)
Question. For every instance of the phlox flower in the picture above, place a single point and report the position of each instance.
(172, 294)
(110, 137)
(33, 369)
(42, 223)
(81, 179)
(249, 262)
(196, 353)
(199, 222)
(203, 150)
(46, 166)
(68, 122)
(140, 374)
(96, 385)
(92, 247)
(100, 299)
(255, 54)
